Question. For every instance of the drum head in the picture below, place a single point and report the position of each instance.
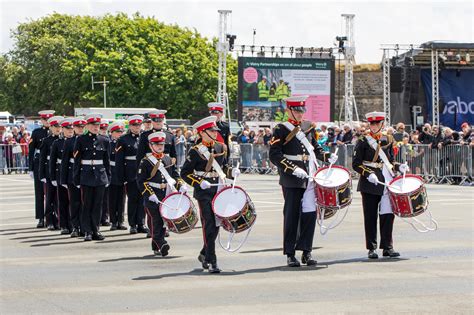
(336, 176)
(411, 184)
(228, 203)
(170, 211)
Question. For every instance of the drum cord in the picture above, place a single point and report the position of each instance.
(227, 248)
(323, 229)
(433, 226)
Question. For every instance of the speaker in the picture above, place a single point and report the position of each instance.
(411, 84)
(396, 80)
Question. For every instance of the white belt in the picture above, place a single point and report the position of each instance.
(299, 157)
(206, 174)
(92, 162)
(112, 163)
(131, 157)
(373, 164)
(71, 160)
(58, 161)
(47, 157)
(156, 185)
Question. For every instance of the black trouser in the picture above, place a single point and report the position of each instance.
(91, 205)
(105, 206)
(370, 203)
(209, 230)
(63, 208)
(156, 228)
(51, 206)
(39, 191)
(116, 203)
(135, 210)
(75, 205)
(298, 227)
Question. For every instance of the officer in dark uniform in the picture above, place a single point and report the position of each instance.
(154, 186)
(92, 174)
(157, 119)
(51, 206)
(370, 164)
(198, 172)
(293, 161)
(127, 169)
(57, 150)
(223, 135)
(67, 177)
(34, 146)
(116, 188)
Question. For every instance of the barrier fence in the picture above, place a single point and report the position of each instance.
(449, 164)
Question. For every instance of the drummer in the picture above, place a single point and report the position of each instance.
(200, 173)
(155, 185)
(296, 160)
(374, 161)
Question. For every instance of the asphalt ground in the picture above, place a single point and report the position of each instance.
(44, 272)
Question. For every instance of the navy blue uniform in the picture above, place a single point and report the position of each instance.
(116, 190)
(34, 146)
(55, 161)
(144, 148)
(51, 205)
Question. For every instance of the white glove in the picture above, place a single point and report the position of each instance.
(78, 186)
(64, 185)
(404, 168)
(43, 180)
(153, 198)
(235, 172)
(373, 179)
(300, 173)
(32, 175)
(333, 158)
(55, 183)
(205, 185)
(107, 185)
(183, 189)
(171, 182)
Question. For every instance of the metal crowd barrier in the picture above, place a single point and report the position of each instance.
(13, 158)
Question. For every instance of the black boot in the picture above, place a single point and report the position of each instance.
(113, 227)
(390, 253)
(75, 233)
(292, 261)
(202, 260)
(142, 229)
(120, 226)
(65, 231)
(40, 224)
(51, 227)
(213, 268)
(133, 230)
(164, 249)
(105, 223)
(373, 254)
(307, 259)
(88, 237)
(97, 236)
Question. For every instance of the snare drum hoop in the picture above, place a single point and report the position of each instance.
(337, 188)
(181, 217)
(334, 166)
(239, 212)
(407, 194)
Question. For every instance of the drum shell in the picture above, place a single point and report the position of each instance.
(410, 204)
(333, 198)
(184, 223)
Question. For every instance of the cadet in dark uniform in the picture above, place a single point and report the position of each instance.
(154, 188)
(293, 161)
(34, 146)
(116, 188)
(157, 119)
(51, 205)
(198, 172)
(369, 155)
(67, 177)
(127, 169)
(223, 135)
(104, 218)
(55, 161)
(92, 174)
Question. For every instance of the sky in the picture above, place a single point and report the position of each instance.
(280, 23)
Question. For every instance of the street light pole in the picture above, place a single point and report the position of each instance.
(104, 83)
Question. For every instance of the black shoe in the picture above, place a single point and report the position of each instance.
(65, 232)
(390, 253)
(98, 237)
(292, 261)
(167, 233)
(164, 249)
(157, 252)
(148, 235)
(75, 233)
(113, 227)
(142, 229)
(40, 224)
(50, 227)
(133, 230)
(121, 227)
(213, 268)
(105, 223)
(307, 259)
(202, 260)
(373, 254)
(88, 237)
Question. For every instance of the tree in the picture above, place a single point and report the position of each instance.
(148, 64)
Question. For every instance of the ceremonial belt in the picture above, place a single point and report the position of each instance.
(298, 157)
(92, 162)
(71, 160)
(163, 171)
(58, 161)
(204, 152)
(157, 185)
(373, 164)
(112, 163)
(206, 174)
(131, 157)
(386, 162)
(313, 165)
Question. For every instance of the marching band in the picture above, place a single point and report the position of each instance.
(81, 180)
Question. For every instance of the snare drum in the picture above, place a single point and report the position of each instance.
(235, 209)
(178, 213)
(409, 198)
(333, 189)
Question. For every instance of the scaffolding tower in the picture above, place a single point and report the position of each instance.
(349, 61)
(222, 50)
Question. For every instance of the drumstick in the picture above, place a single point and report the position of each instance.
(389, 186)
(404, 173)
(235, 178)
(330, 165)
(164, 204)
(179, 201)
